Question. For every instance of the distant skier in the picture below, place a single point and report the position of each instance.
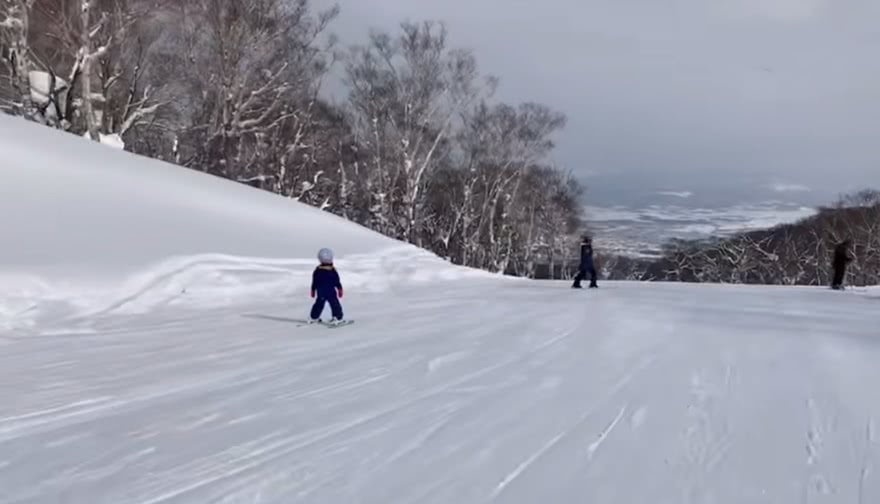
(326, 288)
(587, 264)
(840, 262)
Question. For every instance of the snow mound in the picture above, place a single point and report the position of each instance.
(91, 229)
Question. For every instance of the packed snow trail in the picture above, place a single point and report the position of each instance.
(476, 391)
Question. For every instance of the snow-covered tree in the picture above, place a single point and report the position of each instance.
(253, 68)
(791, 254)
(75, 56)
(17, 88)
(406, 93)
(419, 150)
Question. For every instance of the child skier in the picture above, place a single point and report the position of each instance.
(326, 288)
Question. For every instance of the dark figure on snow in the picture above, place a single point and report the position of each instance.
(840, 262)
(587, 265)
(326, 288)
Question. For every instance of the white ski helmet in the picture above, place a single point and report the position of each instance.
(325, 255)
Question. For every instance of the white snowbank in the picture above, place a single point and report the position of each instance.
(112, 140)
(99, 228)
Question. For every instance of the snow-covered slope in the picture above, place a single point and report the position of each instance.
(88, 228)
(451, 387)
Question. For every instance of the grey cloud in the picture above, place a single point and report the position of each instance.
(680, 92)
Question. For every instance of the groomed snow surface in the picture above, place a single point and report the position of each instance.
(150, 353)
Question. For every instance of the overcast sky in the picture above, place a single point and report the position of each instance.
(717, 97)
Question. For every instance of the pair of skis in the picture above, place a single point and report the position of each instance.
(328, 325)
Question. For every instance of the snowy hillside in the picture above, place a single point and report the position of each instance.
(150, 352)
(89, 228)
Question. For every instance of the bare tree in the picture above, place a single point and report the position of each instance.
(406, 93)
(499, 146)
(63, 71)
(231, 87)
(16, 90)
(254, 68)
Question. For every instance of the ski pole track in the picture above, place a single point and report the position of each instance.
(518, 470)
(817, 427)
(594, 446)
(867, 466)
(706, 439)
(829, 404)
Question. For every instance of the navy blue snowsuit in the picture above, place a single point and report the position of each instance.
(326, 288)
(587, 265)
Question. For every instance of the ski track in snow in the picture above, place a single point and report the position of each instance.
(526, 463)
(591, 450)
(629, 394)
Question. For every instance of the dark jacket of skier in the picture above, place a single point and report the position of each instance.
(325, 282)
(587, 265)
(840, 262)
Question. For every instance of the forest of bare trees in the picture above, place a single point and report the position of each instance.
(420, 150)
